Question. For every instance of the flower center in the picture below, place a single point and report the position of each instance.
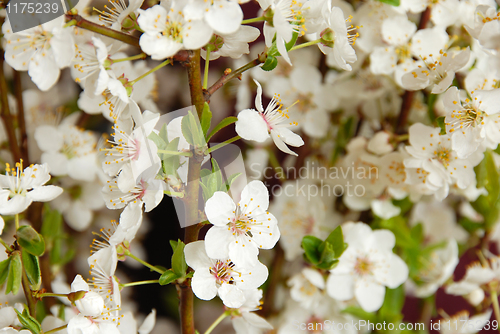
(173, 30)
(363, 266)
(443, 155)
(223, 272)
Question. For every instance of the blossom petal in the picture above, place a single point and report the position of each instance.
(203, 284)
(252, 126)
(340, 287)
(196, 256)
(369, 294)
(231, 295)
(217, 242)
(220, 208)
(44, 193)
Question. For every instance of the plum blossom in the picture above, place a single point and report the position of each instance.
(244, 320)
(258, 124)
(19, 188)
(366, 267)
(222, 276)
(239, 231)
(168, 31)
(43, 51)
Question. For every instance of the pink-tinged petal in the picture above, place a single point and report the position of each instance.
(231, 296)
(196, 256)
(203, 284)
(369, 294)
(220, 209)
(44, 193)
(243, 252)
(15, 205)
(224, 16)
(43, 70)
(217, 242)
(340, 287)
(280, 144)
(252, 126)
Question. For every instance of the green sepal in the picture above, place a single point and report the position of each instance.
(28, 321)
(32, 268)
(30, 240)
(206, 119)
(179, 265)
(168, 277)
(225, 122)
(270, 63)
(15, 274)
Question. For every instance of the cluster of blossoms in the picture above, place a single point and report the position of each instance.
(380, 125)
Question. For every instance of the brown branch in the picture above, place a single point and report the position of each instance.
(228, 75)
(21, 121)
(408, 95)
(5, 114)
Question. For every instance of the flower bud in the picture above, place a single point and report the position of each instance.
(91, 304)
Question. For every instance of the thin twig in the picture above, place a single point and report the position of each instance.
(21, 121)
(7, 119)
(228, 75)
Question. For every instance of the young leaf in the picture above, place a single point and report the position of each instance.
(206, 119)
(31, 267)
(310, 244)
(336, 239)
(15, 274)
(440, 124)
(225, 122)
(52, 222)
(4, 269)
(163, 133)
(173, 244)
(230, 180)
(178, 261)
(168, 277)
(30, 240)
(218, 176)
(29, 322)
(159, 142)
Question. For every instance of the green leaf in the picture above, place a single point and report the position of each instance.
(164, 133)
(230, 180)
(206, 119)
(191, 129)
(32, 268)
(173, 244)
(171, 162)
(270, 63)
(225, 122)
(336, 239)
(310, 244)
(417, 233)
(206, 191)
(440, 124)
(168, 277)
(487, 176)
(220, 186)
(178, 261)
(52, 223)
(345, 132)
(28, 321)
(15, 274)
(393, 304)
(159, 142)
(30, 240)
(4, 270)
(273, 50)
(394, 3)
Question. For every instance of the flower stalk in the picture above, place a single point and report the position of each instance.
(217, 322)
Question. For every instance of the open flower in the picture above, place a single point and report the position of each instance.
(257, 125)
(222, 276)
(366, 267)
(240, 230)
(20, 188)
